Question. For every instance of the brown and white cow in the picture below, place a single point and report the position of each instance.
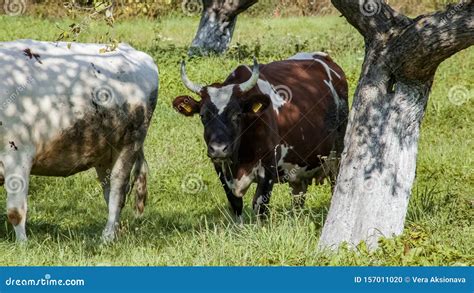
(69, 107)
(278, 122)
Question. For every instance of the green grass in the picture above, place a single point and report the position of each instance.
(66, 216)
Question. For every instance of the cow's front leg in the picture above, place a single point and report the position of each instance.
(236, 203)
(263, 193)
(299, 189)
(119, 182)
(17, 167)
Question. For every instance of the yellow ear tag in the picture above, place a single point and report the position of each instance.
(256, 107)
(186, 107)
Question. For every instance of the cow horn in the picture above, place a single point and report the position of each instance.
(248, 85)
(195, 88)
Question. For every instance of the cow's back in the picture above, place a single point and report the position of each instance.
(73, 103)
(315, 91)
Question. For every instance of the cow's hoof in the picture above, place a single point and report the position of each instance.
(138, 214)
(239, 220)
(262, 218)
(139, 210)
(108, 237)
(22, 241)
(20, 232)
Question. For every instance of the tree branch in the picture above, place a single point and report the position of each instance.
(231, 8)
(431, 39)
(370, 17)
(415, 47)
(241, 6)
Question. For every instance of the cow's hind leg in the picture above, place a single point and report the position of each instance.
(140, 174)
(298, 190)
(263, 193)
(16, 170)
(119, 185)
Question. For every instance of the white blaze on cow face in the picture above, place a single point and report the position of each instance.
(220, 97)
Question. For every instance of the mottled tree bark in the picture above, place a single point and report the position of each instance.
(379, 160)
(217, 25)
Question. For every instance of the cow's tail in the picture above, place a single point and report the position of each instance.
(139, 180)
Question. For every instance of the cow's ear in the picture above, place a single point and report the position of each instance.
(186, 105)
(256, 105)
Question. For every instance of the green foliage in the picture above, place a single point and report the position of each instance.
(66, 216)
(264, 8)
(123, 8)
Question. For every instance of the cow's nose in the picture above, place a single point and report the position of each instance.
(218, 150)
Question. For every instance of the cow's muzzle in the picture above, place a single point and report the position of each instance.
(219, 152)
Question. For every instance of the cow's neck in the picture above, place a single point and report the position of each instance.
(259, 139)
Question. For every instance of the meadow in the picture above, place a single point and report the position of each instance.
(186, 221)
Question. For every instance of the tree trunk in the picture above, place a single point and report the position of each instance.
(379, 160)
(217, 25)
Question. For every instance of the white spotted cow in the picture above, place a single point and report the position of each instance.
(69, 107)
(278, 122)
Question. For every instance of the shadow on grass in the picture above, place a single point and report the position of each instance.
(73, 222)
(152, 222)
